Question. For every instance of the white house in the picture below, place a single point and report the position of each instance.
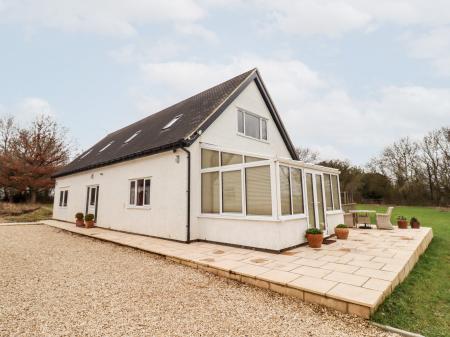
(218, 166)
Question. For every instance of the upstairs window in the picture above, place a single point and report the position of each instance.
(172, 122)
(252, 125)
(85, 154)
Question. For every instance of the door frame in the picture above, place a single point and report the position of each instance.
(88, 194)
(315, 203)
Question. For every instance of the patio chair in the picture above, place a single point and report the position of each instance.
(384, 220)
(349, 219)
(363, 219)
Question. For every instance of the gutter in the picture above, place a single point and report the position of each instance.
(188, 191)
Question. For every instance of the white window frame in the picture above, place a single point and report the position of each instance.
(334, 210)
(239, 167)
(106, 146)
(172, 122)
(243, 134)
(64, 200)
(143, 206)
(302, 177)
(134, 135)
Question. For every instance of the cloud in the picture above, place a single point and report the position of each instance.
(111, 17)
(316, 112)
(433, 46)
(27, 109)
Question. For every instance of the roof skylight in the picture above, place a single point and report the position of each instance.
(172, 122)
(132, 137)
(86, 153)
(106, 146)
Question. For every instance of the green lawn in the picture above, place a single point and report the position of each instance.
(421, 303)
(42, 213)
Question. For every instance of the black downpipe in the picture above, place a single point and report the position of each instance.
(188, 225)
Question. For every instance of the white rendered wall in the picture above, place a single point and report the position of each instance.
(166, 216)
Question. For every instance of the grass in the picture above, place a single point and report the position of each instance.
(421, 303)
(13, 212)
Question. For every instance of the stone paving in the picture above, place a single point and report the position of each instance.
(352, 276)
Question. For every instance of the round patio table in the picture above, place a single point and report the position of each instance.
(356, 211)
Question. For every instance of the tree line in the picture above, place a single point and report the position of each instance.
(412, 172)
(29, 156)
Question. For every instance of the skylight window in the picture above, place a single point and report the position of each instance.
(132, 137)
(85, 154)
(106, 146)
(172, 122)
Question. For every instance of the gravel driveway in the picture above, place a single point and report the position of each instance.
(56, 283)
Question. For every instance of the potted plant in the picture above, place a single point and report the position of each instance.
(341, 232)
(314, 237)
(89, 220)
(402, 222)
(79, 219)
(414, 223)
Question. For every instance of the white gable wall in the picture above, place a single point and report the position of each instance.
(223, 133)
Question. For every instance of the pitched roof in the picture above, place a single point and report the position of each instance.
(195, 113)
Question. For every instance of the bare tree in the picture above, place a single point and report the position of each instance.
(8, 130)
(307, 155)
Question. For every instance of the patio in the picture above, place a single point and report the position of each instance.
(352, 276)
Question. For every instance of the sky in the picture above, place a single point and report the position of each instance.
(348, 77)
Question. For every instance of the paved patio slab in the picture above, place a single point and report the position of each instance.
(352, 276)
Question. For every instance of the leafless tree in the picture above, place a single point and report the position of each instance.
(307, 155)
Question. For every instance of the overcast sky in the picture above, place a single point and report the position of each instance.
(347, 77)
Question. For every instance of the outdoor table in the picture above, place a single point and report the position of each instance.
(362, 211)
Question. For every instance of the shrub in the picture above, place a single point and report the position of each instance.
(314, 231)
(401, 217)
(341, 226)
(79, 216)
(89, 217)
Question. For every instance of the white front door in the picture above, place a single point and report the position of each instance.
(315, 197)
(92, 200)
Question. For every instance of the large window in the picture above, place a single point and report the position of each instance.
(258, 190)
(331, 192)
(63, 198)
(291, 191)
(139, 192)
(232, 191)
(227, 189)
(252, 125)
(210, 192)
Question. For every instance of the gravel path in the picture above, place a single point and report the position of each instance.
(60, 284)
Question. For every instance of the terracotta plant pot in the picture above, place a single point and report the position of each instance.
(402, 224)
(341, 233)
(89, 224)
(415, 224)
(314, 240)
(79, 223)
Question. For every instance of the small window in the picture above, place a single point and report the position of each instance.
(230, 159)
(250, 159)
(252, 125)
(132, 192)
(336, 200)
(331, 192)
(132, 137)
(66, 197)
(106, 146)
(172, 122)
(139, 192)
(291, 191)
(258, 190)
(63, 198)
(92, 197)
(210, 158)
